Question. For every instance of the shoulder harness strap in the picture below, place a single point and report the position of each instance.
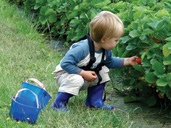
(92, 52)
(93, 59)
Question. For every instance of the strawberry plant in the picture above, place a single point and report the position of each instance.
(147, 34)
(68, 19)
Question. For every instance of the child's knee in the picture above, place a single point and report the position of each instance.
(71, 84)
(75, 79)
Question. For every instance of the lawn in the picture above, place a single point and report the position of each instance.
(24, 54)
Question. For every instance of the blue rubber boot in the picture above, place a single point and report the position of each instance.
(94, 98)
(60, 102)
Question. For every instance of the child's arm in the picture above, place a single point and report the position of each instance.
(116, 62)
(130, 61)
(74, 56)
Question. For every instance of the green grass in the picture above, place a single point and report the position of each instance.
(24, 54)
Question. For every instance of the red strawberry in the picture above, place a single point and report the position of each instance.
(152, 84)
(138, 60)
(160, 95)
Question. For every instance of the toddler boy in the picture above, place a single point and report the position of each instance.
(87, 63)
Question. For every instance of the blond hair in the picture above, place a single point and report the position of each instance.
(106, 24)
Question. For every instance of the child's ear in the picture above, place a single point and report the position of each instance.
(103, 39)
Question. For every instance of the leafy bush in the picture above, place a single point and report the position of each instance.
(69, 19)
(147, 35)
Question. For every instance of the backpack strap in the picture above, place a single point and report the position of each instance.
(92, 51)
(99, 67)
(93, 59)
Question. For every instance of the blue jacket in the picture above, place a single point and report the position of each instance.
(79, 56)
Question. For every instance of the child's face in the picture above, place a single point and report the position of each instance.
(110, 43)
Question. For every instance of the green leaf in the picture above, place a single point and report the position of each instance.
(84, 16)
(129, 99)
(170, 87)
(162, 13)
(54, 30)
(140, 11)
(167, 60)
(128, 82)
(63, 21)
(125, 39)
(154, 24)
(142, 2)
(43, 10)
(74, 22)
(168, 93)
(76, 8)
(143, 55)
(131, 47)
(158, 68)
(151, 2)
(121, 50)
(144, 39)
(36, 6)
(146, 63)
(150, 77)
(52, 18)
(168, 39)
(139, 68)
(162, 82)
(73, 14)
(50, 11)
(42, 19)
(118, 5)
(107, 8)
(135, 73)
(168, 45)
(125, 53)
(147, 32)
(101, 4)
(62, 31)
(168, 77)
(150, 101)
(92, 13)
(134, 33)
(167, 49)
(41, 1)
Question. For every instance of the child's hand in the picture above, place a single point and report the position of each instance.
(133, 60)
(130, 61)
(88, 75)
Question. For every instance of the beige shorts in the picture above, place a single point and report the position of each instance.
(73, 83)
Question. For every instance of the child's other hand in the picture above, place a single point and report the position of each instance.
(88, 75)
